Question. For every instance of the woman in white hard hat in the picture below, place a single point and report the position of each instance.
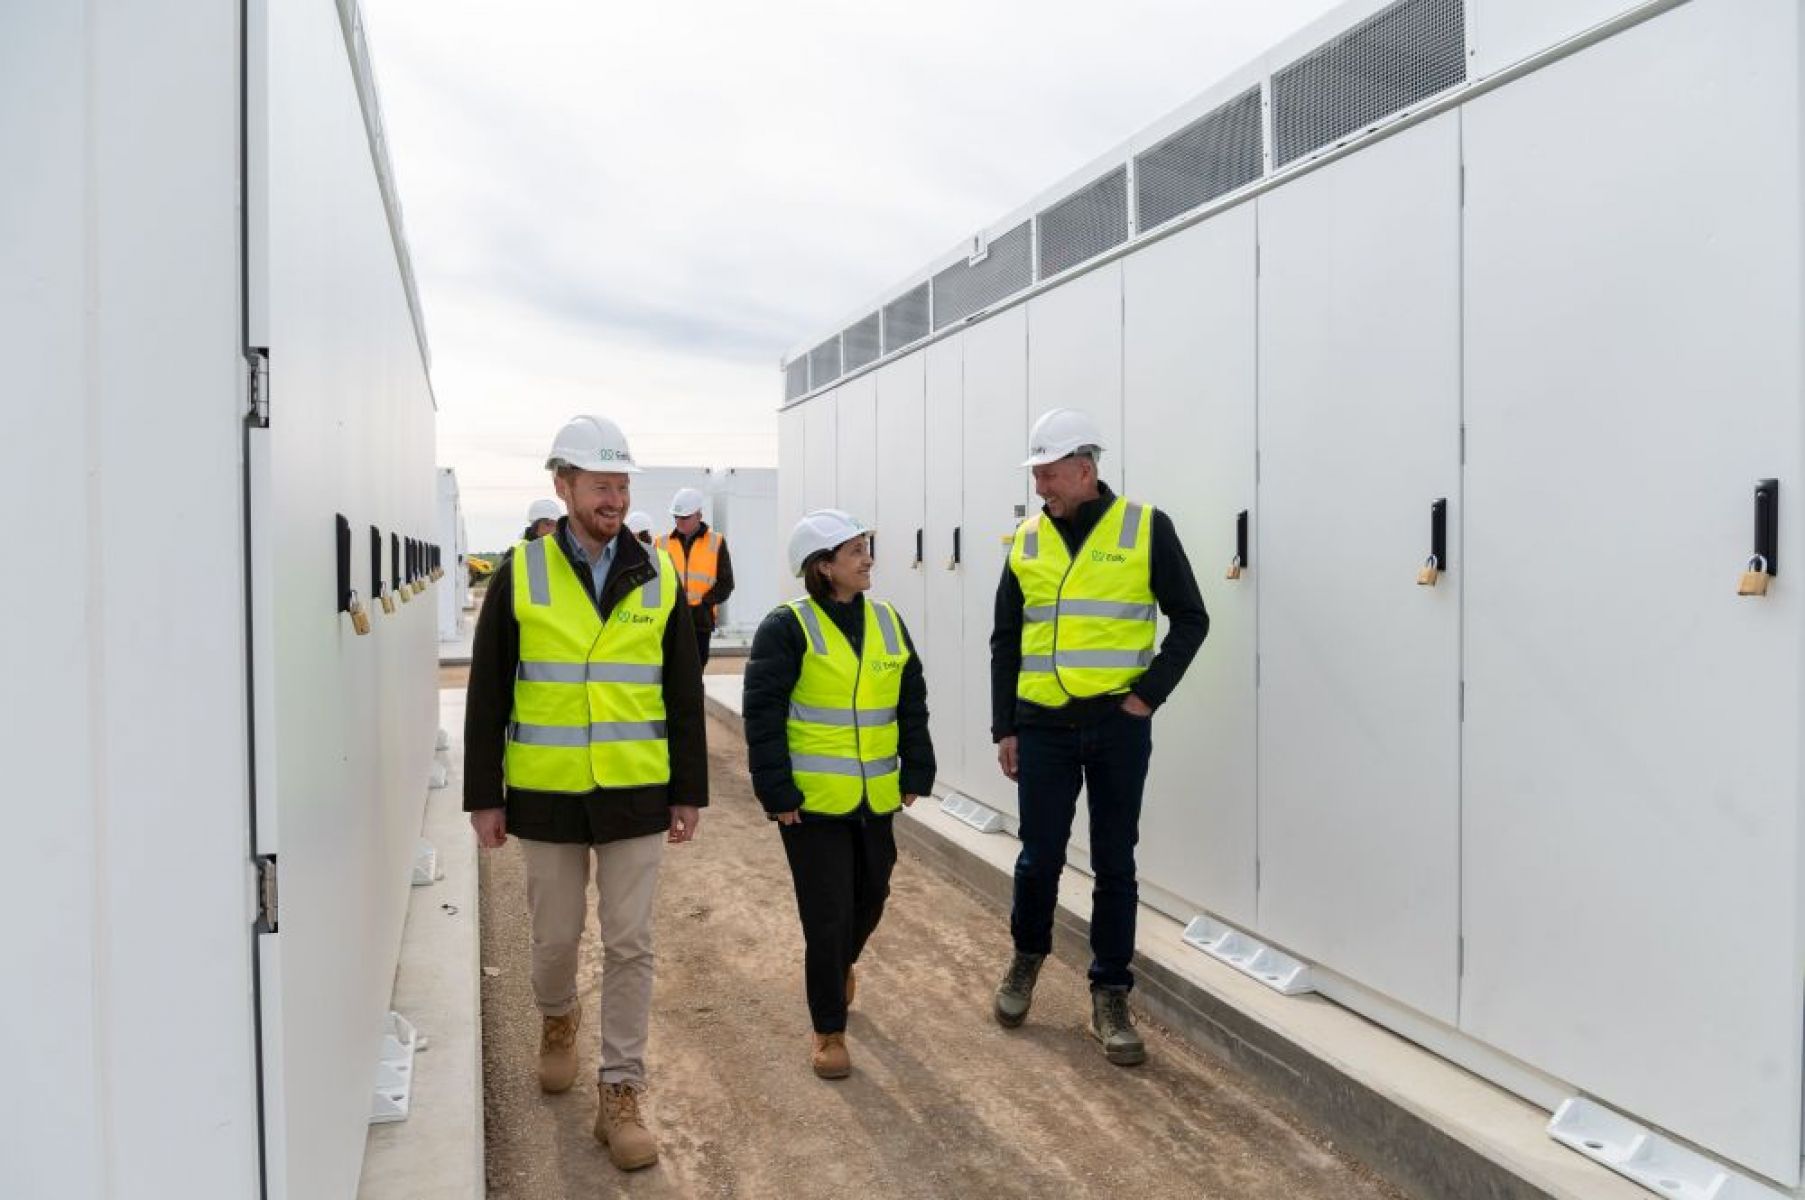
(541, 519)
(639, 524)
(836, 722)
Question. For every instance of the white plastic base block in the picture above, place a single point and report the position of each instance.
(980, 818)
(1663, 1167)
(426, 864)
(394, 1072)
(440, 776)
(1275, 969)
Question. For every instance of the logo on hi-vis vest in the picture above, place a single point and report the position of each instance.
(885, 666)
(1105, 556)
(632, 618)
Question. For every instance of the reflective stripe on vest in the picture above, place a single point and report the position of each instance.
(842, 727)
(1088, 624)
(697, 567)
(588, 694)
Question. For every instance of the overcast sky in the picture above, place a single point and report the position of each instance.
(637, 209)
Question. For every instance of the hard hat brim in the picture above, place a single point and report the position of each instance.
(609, 468)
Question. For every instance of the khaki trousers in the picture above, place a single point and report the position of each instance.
(557, 889)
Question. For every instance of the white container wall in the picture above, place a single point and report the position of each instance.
(744, 501)
(454, 588)
(127, 1023)
(1530, 304)
(180, 706)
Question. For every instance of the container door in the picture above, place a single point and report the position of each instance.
(1188, 424)
(901, 513)
(1632, 741)
(944, 625)
(996, 431)
(1359, 429)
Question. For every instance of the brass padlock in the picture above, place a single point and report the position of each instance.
(1430, 573)
(419, 586)
(1755, 579)
(406, 592)
(360, 620)
(388, 603)
(1234, 568)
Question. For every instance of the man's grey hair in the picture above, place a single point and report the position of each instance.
(1093, 453)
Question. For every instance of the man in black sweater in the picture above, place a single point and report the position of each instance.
(1074, 684)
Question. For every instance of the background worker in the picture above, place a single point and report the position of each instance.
(542, 516)
(1074, 682)
(836, 719)
(701, 557)
(584, 737)
(639, 524)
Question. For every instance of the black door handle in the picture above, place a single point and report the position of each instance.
(917, 561)
(1438, 534)
(1767, 523)
(1241, 555)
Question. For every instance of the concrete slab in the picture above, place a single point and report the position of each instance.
(1429, 1126)
(437, 1152)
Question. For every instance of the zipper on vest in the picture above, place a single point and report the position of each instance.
(858, 740)
(1071, 560)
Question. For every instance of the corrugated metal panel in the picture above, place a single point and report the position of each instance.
(1084, 224)
(964, 288)
(1210, 157)
(1396, 58)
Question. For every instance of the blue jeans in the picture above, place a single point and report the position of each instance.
(1109, 758)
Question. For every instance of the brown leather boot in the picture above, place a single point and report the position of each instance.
(620, 1127)
(830, 1059)
(558, 1051)
(852, 986)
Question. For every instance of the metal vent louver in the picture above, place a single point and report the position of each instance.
(1398, 57)
(1210, 157)
(795, 378)
(860, 341)
(964, 288)
(824, 362)
(906, 319)
(1084, 224)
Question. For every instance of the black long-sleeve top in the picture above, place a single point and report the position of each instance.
(605, 814)
(772, 670)
(1174, 589)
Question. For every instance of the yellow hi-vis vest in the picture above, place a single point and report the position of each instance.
(842, 726)
(588, 695)
(698, 567)
(1088, 623)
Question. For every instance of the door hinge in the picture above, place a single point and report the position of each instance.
(1460, 955)
(257, 362)
(266, 893)
(1463, 700)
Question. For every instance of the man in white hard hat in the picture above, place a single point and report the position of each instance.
(1074, 684)
(701, 557)
(584, 738)
(541, 519)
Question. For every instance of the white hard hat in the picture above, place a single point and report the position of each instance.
(639, 521)
(823, 529)
(544, 510)
(685, 502)
(1060, 433)
(591, 444)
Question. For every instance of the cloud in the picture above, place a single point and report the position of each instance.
(639, 208)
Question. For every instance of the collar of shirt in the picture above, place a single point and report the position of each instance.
(1075, 528)
(598, 570)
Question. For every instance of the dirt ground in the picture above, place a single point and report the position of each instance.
(942, 1101)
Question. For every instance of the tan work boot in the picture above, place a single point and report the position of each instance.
(830, 1059)
(620, 1127)
(852, 986)
(558, 1051)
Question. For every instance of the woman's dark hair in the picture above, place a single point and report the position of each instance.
(815, 579)
(527, 534)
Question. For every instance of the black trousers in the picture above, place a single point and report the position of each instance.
(842, 874)
(702, 639)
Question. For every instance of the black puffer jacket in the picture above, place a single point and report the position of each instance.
(606, 814)
(771, 674)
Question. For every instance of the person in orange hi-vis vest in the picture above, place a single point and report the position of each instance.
(700, 555)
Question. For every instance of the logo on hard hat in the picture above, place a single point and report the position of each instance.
(610, 454)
